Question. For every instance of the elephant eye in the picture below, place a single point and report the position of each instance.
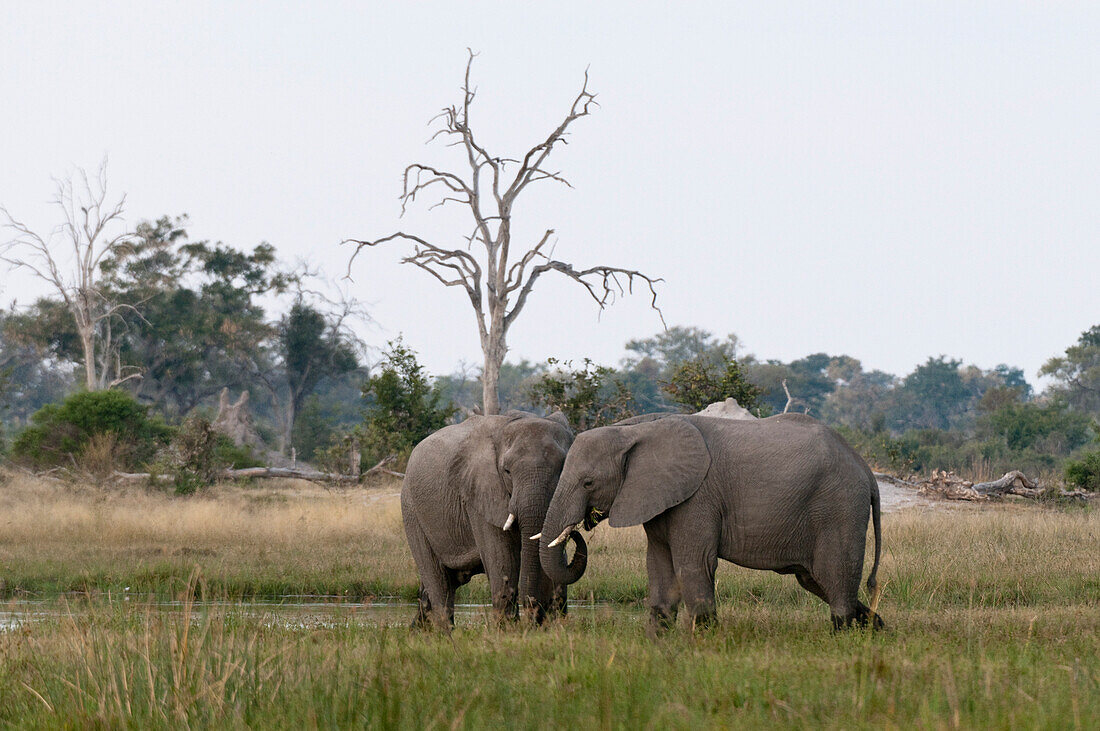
(507, 471)
(588, 482)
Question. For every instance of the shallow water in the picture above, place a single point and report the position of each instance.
(293, 613)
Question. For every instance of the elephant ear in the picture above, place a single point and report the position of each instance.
(559, 418)
(664, 464)
(477, 471)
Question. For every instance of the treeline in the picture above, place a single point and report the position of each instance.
(943, 415)
(186, 320)
(193, 318)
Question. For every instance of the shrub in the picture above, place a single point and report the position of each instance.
(588, 397)
(1085, 472)
(697, 383)
(59, 433)
(403, 406)
(197, 454)
(314, 429)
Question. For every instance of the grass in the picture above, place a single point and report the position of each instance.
(994, 617)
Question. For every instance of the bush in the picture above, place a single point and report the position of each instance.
(589, 397)
(315, 428)
(197, 454)
(1085, 472)
(698, 383)
(60, 434)
(403, 406)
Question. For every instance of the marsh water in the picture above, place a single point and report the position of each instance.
(293, 612)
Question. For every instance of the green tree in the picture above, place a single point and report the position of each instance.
(677, 344)
(332, 410)
(403, 405)
(589, 396)
(695, 384)
(1077, 373)
(808, 380)
(1050, 428)
(934, 394)
(312, 347)
(861, 401)
(1084, 472)
(650, 362)
(202, 326)
(33, 376)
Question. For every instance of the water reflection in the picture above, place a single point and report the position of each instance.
(296, 612)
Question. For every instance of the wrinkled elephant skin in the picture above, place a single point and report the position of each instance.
(785, 494)
(471, 492)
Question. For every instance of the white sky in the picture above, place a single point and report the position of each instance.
(887, 180)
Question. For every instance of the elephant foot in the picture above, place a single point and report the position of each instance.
(505, 609)
(860, 617)
(661, 620)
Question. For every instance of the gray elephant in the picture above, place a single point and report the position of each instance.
(785, 494)
(471, 491)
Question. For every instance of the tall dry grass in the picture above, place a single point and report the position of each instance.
(280, 538)
(992, 614)
(274, 538)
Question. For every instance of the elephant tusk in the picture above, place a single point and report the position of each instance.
(564, 534)
(536, 536)
(508, 523)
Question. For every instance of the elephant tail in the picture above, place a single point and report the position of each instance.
(876, 520)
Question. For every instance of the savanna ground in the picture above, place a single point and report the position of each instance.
(993, 615)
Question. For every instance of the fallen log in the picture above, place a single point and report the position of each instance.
(884, 477)
(1013, 483)
(250, 473)
(952, 487)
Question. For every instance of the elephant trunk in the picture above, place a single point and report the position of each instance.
(531, 578)
(566, 512)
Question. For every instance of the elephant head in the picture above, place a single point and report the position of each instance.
(508, 469)
(630, 473)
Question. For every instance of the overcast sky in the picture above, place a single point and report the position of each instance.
(886, 180)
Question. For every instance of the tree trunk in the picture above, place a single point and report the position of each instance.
(490, 376)
(494, 351)
(87, 344)
(288, 426)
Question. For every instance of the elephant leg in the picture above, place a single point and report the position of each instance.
(664, 587)
(434, 581)
(422, 620)
(806, 581)
(695, 562)
(837, 570)
(499, 557)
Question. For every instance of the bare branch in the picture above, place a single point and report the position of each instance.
(507, 284)
(535, 157)
(602, 283)
(86, 217)
(474, 269)
(515, 274)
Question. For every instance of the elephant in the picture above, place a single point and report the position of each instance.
(785, 494)
(471, 491)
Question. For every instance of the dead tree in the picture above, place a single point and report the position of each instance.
(498, 275)
(82, 236)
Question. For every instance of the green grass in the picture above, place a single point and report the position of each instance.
(114, 664)
(993, 616)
